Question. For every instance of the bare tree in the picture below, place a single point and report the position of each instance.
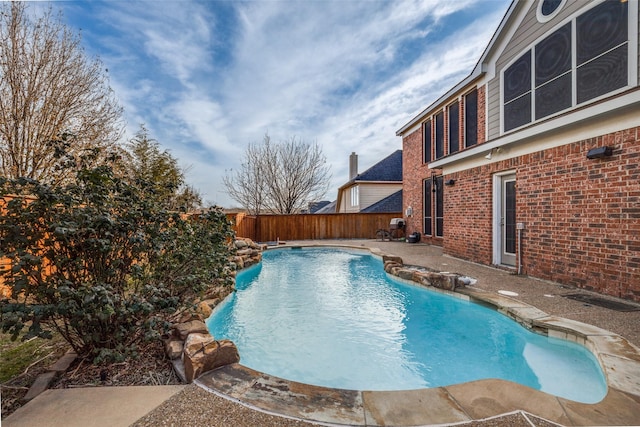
(282, 178)
(247, 186)
(49, 90)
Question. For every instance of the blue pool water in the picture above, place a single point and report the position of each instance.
(333, 318)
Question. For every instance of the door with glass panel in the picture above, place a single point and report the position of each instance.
(507, 220)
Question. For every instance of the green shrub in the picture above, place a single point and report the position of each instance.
(103, 262)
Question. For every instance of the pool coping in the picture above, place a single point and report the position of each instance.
(459, 403)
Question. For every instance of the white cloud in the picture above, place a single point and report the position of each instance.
(207, 78)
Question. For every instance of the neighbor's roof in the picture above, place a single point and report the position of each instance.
(329, 208)
(316, 206)
(387, 169)
(391, 203)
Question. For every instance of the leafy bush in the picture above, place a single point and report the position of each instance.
(102, 261)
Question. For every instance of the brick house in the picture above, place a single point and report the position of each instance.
(531, 162)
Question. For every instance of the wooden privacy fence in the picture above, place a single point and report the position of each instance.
(266, 228)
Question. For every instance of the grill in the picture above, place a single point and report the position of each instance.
(396, 224)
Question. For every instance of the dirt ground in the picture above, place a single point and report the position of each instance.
(151, 368)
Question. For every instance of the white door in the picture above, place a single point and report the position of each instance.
(504, 212)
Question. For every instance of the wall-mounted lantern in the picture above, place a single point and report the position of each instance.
(409, 211)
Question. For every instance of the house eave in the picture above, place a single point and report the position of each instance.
(477, 73)
(479, 70)
(355, 181)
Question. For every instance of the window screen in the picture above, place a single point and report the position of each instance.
(602, 50)
(517, 93)
(553, 55)
(518, 112)
(454, 128)
(471, 119)
(427, 196)
(439, 206)
(517, 78)
(426, 147)
(554, 96)
(602, 75)
(601, 29)
(439, 135)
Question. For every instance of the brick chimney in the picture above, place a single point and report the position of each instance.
(353, 165)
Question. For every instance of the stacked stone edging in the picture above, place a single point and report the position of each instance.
(421, 275)
(191, 347)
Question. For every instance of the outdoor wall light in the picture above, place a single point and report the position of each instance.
(409, 211)
(491, 152)
(599, 152)
(450, 182)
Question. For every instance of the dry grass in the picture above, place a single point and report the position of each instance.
(22, 362)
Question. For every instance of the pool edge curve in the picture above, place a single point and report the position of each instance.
(465, 402)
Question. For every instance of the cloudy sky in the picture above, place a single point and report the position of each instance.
(206, 78)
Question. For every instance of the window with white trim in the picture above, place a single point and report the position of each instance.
(548, 9)
(582, 60)
(355, 197)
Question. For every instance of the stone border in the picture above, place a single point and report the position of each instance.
(190, 347)
(619, 359)
(44, 380)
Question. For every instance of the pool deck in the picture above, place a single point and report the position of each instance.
(238, 396)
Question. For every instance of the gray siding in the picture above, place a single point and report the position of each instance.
(373, 193)
(528, 32)
(493, 109)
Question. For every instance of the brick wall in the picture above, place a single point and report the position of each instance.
(582, 217)
(414, 171)
(468, 213)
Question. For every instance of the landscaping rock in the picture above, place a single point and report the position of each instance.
(173, 348)
(205, 308)
(390, 265)
(239, 262)
(217, 292)
(247, 252)
(405, 273)
(251, 261)
(183, 330)
(197, 341)
(184, 317)
(203, 356)
(392, 258)
(446, 281)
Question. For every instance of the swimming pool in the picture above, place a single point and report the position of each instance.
(333, 318)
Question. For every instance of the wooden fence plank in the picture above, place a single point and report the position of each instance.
(266, 228)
